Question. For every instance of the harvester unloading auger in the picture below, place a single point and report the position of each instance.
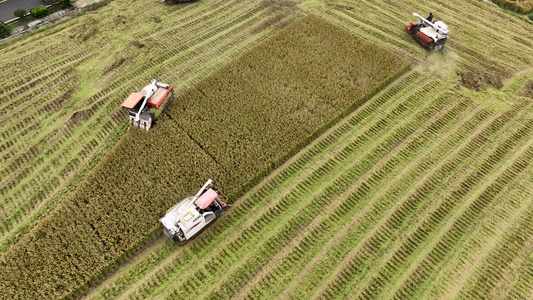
(191, 215)
(145, 106)
(428, 34)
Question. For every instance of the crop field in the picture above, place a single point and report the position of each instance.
(521, 6)
(345, 212)
(256, 132)
(61, 90)
(421, 189)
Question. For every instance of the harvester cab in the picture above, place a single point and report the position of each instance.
(431, 35)
(193, 214)
(145, 106)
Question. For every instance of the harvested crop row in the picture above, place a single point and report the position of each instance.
(232, 127)
(503, 216)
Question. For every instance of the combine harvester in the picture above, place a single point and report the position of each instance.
(145, 106)
(192, 215)
(430, 35)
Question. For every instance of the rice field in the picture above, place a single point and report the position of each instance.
(61, 90)
(423, 191)
(521, 6)
(429, 210)
(215, 130)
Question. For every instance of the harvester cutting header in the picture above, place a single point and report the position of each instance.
(431, 35)
(145, 106)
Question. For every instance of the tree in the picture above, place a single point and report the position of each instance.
(65, 3)
(20, 13)
(39, 11)
(4, 31)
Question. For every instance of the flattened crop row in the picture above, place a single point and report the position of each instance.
(216, 19)
(25, 108)
(431, 262)
(331, 223)
(28, 83)
(35, 193)
(499, 260)
(357, 261)
(436, 219)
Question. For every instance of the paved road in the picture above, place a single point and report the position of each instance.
(7, 8)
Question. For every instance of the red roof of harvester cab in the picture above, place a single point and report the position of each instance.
(132, 100)
(206, 199)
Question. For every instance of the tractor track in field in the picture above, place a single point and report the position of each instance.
(195, 142)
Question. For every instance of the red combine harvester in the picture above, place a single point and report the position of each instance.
(145, 106)
(430, 35)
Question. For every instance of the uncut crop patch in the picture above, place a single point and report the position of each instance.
(273, 98)
(233, 126)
